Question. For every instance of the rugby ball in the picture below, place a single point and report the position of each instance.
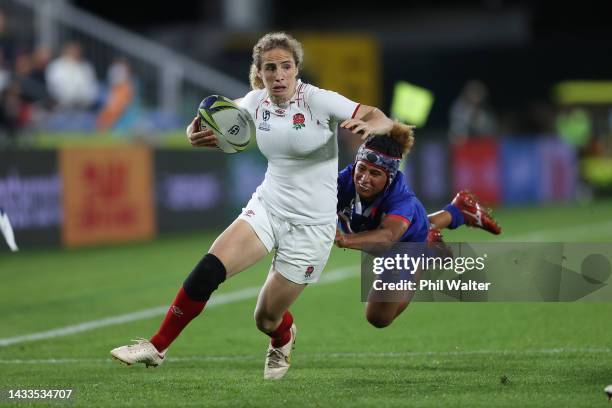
(232, 125)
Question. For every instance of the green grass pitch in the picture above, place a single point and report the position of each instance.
(435, 354)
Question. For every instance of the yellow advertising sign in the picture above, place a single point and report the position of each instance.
(583, 92)
(411, 104)
(347, 64)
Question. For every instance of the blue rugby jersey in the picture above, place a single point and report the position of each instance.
(398, 200)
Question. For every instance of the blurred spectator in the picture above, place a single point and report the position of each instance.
(10, 112)
(41, 57)
(574, 125)
(5, 74)
(7, 45)
(121, 95)
(470, 115)
(32, 90)
(71, 80)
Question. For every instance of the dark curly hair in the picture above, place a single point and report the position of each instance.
(397, 143)
(384, 144)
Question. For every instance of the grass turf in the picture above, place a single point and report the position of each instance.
(435, 354)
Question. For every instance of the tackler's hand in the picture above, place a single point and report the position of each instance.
(340, 239)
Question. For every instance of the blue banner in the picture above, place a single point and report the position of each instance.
(521, 171)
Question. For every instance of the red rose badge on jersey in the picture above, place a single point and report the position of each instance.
(298, 121)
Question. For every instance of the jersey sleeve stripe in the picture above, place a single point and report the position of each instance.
(406, 220)
(355, 111)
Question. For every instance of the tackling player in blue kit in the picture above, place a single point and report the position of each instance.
(377, 206)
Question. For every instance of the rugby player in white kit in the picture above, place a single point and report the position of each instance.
(292, 212)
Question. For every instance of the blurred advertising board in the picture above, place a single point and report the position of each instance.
(108, 195)
(521, 170)
(30, 193)
(517, 170)
(246, 173)
(537, 169)
(427, 170)
(190, 190)
(476, 167)
(559, 169)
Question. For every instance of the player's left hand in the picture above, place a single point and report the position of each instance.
(358, 127)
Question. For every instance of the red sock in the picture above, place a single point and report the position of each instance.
(182, 310)
(282, 334)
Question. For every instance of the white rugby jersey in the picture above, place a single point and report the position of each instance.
(299, 139)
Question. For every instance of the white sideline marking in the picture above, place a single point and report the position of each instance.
(221, 299)
(317, 356)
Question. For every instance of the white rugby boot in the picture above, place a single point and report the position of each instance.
(143, 351)
(278, 360)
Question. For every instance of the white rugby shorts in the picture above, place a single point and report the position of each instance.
(301, 250)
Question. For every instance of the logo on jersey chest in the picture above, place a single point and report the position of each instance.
(298, 121)
(265, 125)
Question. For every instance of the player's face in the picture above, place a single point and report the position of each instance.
(369, 180)
(279, 73)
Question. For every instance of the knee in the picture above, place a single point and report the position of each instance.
(265, 322)
(205, 278)
(378, 320)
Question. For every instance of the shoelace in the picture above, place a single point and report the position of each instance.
(137, 342)
(275, 356)
(141, 340)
